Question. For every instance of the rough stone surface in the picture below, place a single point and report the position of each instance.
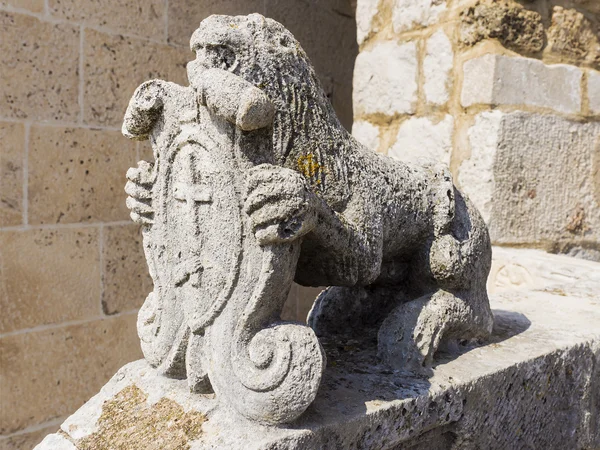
(507, 21)
(366, 10)
(36, 6)
(75, 175)
(512, 177)
(538, 367)
(56, 442)
(125, 278)
(254, 184)
(12, 136)
(423, 138)
(504, 80)
(573, 38)
(593, 87)
(115, 65)
(35, 265)
(366, 133)
(476, 176)
(46, 373)
(385, 79)
(31, 49)
(437, 68)
(142, 18)
(409, 14)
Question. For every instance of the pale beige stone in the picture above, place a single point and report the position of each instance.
(185, 15)
(12, 147)
(48, 374)
(476, 176)
(27, 440)
(116, 65)
(366, 133)
(408, 14)
(437, 67)
(506, 80)
(57, 441)
(385, 79)
(593, 87)
(366, 10)
(77, 175)
(125, 278)
(573, 38)
(533, 177)
(144, 18)
(48, 276)
(36, 6)
(422, 139)
(39, 68)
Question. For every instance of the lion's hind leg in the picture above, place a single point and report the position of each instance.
(414, 331)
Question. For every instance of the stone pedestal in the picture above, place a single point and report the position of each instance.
(536, 384)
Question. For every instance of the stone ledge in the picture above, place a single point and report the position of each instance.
(535, 385)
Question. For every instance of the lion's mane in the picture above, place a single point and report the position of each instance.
(307, 135)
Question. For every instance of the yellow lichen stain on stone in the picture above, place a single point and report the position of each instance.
(128, 422)
(309, 166)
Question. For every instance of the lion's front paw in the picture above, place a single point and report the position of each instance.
(279, 204)
(139, 191)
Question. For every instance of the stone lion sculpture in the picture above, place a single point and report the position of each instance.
(405, 254)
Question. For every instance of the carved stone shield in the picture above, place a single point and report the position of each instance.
(213, 316)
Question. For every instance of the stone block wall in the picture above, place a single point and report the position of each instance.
(506, 92)
(72, 272)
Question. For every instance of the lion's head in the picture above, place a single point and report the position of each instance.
(307, 134)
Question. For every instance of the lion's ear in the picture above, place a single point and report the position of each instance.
(236, 100)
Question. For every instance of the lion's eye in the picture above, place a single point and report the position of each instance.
(220, 56)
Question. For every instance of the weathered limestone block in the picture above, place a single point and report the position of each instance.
(366, 11)
(535, 384)
(385, 79)
(12, 136)
(573, 38)
(408, 14)
(366, 133)
(534, 177)
(30, 49)
(593, 87)
(515, 27)
(255, 184)
(422, 138)
(504, 80)
(437, 67)
(114, 14)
